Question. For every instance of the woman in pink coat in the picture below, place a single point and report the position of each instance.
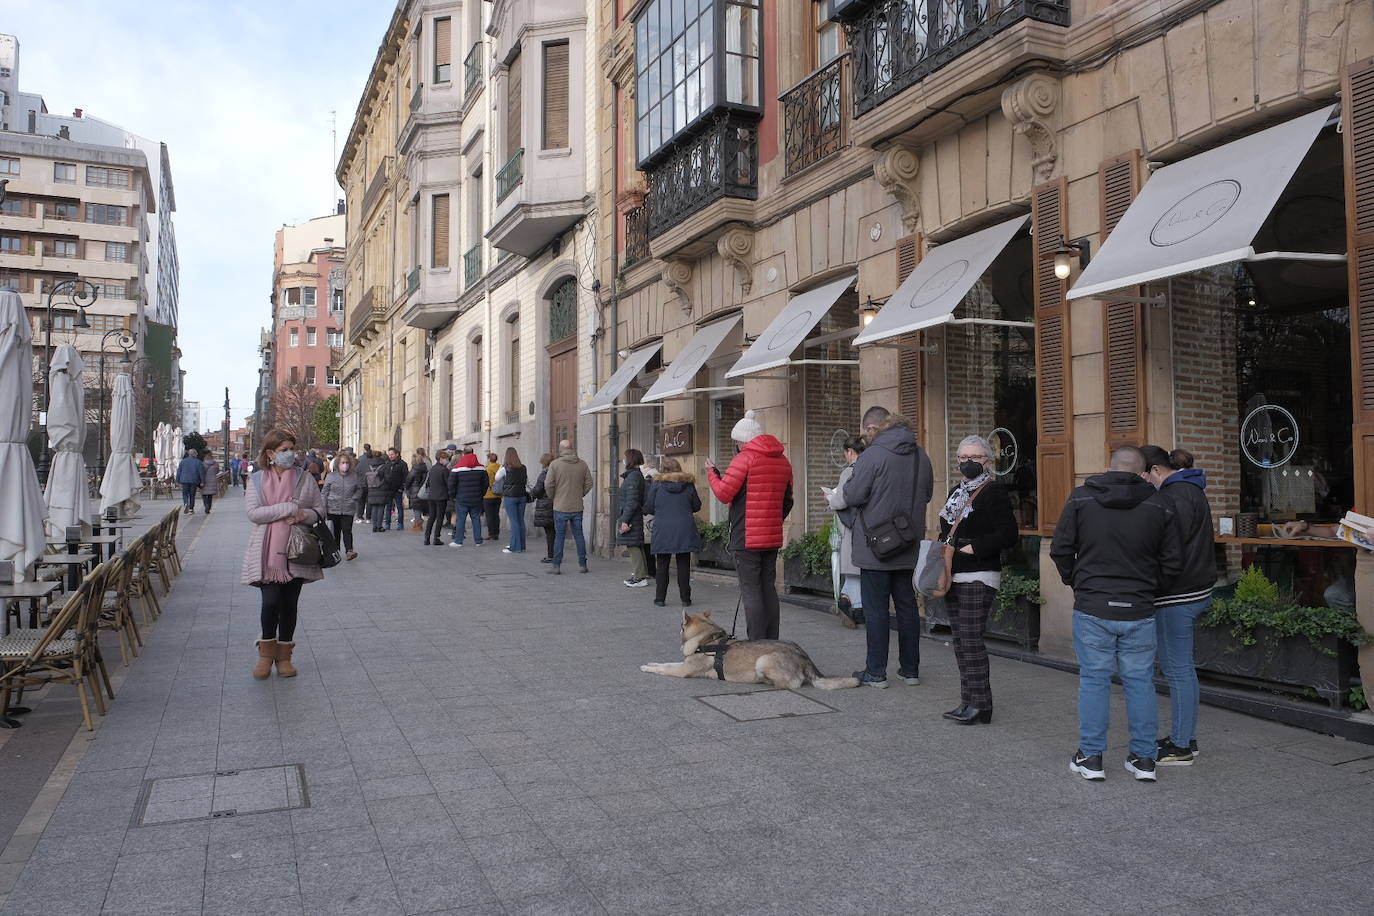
(279, 495)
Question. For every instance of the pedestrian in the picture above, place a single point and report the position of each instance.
(375, 492)
(394, 474)
(673, 501)
(190, 474)
(245, 468)
(514, 496)
(1184, 598)
(889, 488)
(436, 491)
(467, 486)
(978, 512)
(757, 486)
(282, 494)
(234, 469)
(850, 600)
(567, 483)
(365, 462)
(419, 472)
(1112, 544)
(340, 495)
(543, 507)
(209, 487)
(491, 503)
(631, 530)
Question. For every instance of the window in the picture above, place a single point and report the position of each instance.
(829, 36)
(439, 234)
(111, 289)
(513, 108)
(556, 96)
(11, 243)
(293, 375)
(310, 375)
(62, 248)
(331, 378)
(12, 206)
(563, 311)
(98, 176)
(117, 251)
(107, 214)
(9, 165)
(9, 279)
(475, 385)
(69, 212)
(336, 301)
(443, 50)
(513, 366)
(334, 338)
(64, 173)
(307, 295)
(293, 296)
(294, 337)
(310, 337)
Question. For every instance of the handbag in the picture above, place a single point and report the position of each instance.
(312, 545)
(423, 494)
(936, 574)
(897, 534)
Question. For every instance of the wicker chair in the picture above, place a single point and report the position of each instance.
(141, 582)
(116, 607)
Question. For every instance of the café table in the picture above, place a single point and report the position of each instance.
(33, 592)
(98, 540)
(75, 563)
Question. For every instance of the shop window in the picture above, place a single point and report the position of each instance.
(725, 413)
(831, 408)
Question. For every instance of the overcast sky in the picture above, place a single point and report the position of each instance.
(241, 92)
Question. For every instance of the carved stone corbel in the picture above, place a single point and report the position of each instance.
(1028, 105)
(896, 169)
(677, 273)
(735, 246)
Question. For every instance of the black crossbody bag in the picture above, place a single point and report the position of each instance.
(899, 533)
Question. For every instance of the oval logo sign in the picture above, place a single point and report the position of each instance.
(1195, 213)
(1004, 451)
(938, 284)
(786, 337)
(1269, 436)
(688, 363)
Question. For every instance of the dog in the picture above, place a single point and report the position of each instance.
(743, 661)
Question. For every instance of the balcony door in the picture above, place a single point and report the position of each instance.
(562, 350)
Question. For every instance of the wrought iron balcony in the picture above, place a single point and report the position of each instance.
(510, 176)
(636, 234)
(722, 161)
(813, 117)
(472, 69)
(897, 43)
(472, 265)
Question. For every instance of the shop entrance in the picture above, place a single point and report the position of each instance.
(726, 411)
(830, 405)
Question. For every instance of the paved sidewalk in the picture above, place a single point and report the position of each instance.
(475, 737)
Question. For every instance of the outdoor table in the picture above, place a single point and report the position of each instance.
(33, 592)
(74, 563)
(98, 541)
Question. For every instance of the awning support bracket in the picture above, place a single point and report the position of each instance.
(1297, 256)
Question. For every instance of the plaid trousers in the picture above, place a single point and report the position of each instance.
(968, 619)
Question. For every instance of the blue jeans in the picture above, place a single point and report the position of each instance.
(460, 523)
(561, 521)
(398, 502)
(515, 511)
(877, 587)
(188, 495)
(1126, 647)
(1174, 634)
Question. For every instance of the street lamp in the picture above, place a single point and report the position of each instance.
(81, 295)
(126, 340)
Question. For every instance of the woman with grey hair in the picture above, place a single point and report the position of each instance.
(978, 523)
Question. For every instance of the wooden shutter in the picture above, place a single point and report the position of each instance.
(1123, 326)
(513, 114)
(1054, 414)
(443, 42)
(1357, 103)
(439, 232)
(556, 96)
(910, 362)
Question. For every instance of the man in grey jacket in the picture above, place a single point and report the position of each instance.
(567, 483)
(891, 480)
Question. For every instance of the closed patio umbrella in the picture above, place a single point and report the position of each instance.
(21, 509)
(121, 474)
(160, 450)
(174, 451)
(67, 495)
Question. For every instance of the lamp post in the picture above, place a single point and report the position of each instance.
(126, 340)
(81, 295)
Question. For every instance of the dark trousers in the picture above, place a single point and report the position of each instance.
(434, 524)
(548, 541)
(684, 576)
(188, 495)
(342, 527)
(279, 607)
(362, 505)
(878, 587)
(491, 506)
(397, 501)
(208, 500)
(758, 589)
(968, 620)
(376, 513)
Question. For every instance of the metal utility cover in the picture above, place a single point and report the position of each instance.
(764, 704)
(226, 793)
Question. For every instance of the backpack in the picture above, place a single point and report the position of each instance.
(374, 478)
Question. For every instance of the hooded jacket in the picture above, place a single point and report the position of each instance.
(568, 481)
(758, 488)
(467, 482)
(673, 501)
(340, 491)
(1114, 545)
(1192, 529)
(632, 486)
(893, 475)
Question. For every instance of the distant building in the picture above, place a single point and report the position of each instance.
(190, 416)
(308, 304)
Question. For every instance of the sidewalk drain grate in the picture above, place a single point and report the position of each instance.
(500, 576)
(764, 704)
(224, 793)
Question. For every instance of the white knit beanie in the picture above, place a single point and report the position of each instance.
(747, 428)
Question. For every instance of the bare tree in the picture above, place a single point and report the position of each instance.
(295, 404)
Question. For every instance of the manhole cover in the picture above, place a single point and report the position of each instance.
(764, 704)
(226, 793)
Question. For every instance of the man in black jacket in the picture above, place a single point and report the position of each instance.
(1112, 546)
(394, 471)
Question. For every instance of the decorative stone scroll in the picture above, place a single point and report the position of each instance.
(896, 170)
(1028, 105)
(677, 273)
(735, 246)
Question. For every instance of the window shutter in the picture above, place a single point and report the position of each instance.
(1123, 345)
(443, 42)
(439, 229)
(910, 362)
(1357, 103)
(556, 96)
(513, 114)
(1054, 415)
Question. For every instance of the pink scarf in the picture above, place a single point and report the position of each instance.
(277, 488)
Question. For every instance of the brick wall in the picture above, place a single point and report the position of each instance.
(831, 398)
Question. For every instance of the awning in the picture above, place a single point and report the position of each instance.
(1202, 211)
(781, 338)
(620, 379)
(677, 377)
(931, 293)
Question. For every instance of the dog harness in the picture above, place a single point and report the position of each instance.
(717, 652)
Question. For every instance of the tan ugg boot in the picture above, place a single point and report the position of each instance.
(284, 666)
(267, 654)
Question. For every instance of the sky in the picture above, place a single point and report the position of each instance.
(241, 92)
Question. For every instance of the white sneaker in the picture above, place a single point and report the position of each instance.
(636, 583)
(506, 550)
(454, 544)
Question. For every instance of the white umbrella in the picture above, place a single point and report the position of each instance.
(21, 509)
(160, 450)
(175, 448)
(67, 494)
(121, 474)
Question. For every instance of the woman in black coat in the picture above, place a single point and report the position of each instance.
(543, 506)
(632, 517)
(673, 501)
(978, 511)
(419, 470)
(436, 483)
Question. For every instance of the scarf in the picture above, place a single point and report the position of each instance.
(960, 502)
(277, 488)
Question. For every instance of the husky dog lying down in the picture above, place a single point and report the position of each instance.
(743, 661)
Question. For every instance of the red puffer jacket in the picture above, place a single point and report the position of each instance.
(758, 487)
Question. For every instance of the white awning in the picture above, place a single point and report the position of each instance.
(786, 333)
(620, 379)
(677, 377)
(930, 293)
(1202, 211)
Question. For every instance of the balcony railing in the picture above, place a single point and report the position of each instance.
(721, 162)
(375, 186)
(413, 281)
(898, 43)
(472, 69)
(636, 234)
(472, 265)
(366, 313)
(336, 357)
(813, 117)
(510, 176)
(297, 312)
(417, 96)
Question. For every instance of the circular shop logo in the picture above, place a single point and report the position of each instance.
(784, 336)
(1269, 436)
(1195, 213)
(1004, 451)
(687, 363)
(939, 284)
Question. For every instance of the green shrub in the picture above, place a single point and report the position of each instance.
(714, 531)
(814, 549)
(1258, 602)
(1015, 586)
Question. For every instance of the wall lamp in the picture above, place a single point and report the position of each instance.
(868, 311)
(1067, 253)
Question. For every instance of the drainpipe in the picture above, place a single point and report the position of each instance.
(613, 453)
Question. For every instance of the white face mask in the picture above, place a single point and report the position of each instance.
(343, 467)
(284, 458)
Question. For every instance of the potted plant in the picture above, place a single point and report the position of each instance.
(1016, 610)
(1263, 634)
(806, 562)
(713, 551)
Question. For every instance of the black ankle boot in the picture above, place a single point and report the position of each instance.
(970, 716)
(958, 711)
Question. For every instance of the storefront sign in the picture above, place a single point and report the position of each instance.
(676, 439)
(1195, 213)
(1269, 436)
(1004, 451)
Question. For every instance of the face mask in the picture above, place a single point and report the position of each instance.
(284, 458)
(343, 467)
(971, 469)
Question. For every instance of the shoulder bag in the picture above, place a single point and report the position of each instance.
(937, 563)
(309, 545)
(899, 533)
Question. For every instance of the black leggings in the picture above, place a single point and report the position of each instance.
(342, 527)
(434, 522)
(279, 601)
(548, 536)
(684, 576)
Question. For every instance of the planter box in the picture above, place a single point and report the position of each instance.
(713, 555)
(1020, 625)
(1290, 661)
(795, 578)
